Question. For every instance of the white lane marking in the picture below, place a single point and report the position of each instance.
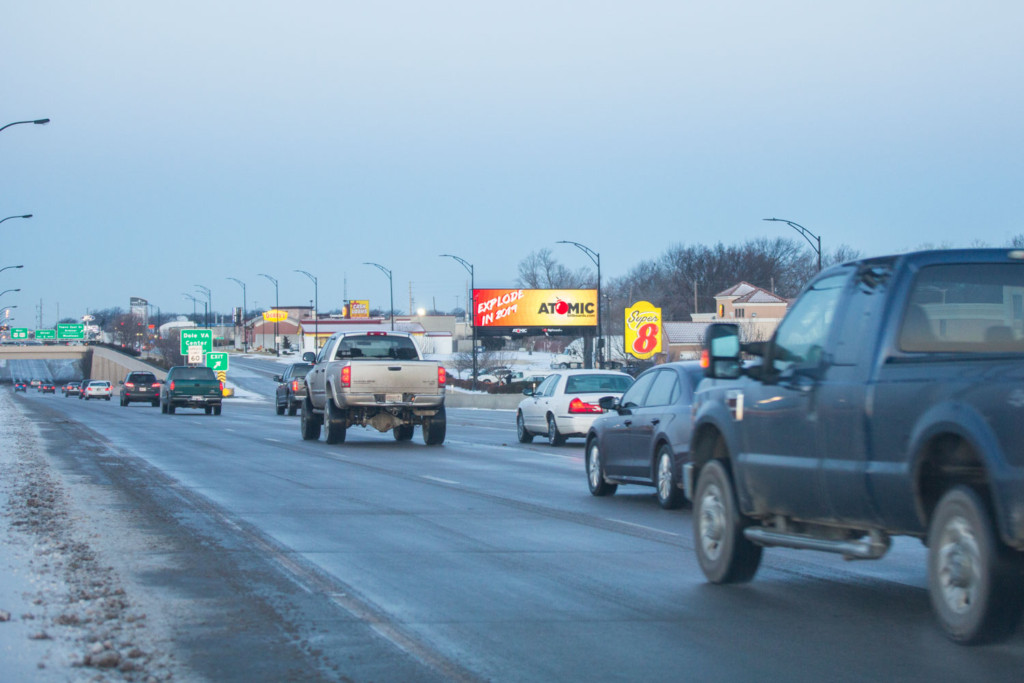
(267, 438)
(641, 526)
(439, 479)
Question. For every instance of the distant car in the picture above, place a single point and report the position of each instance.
(71, 389)
(47, 387)
(565, 404)
(98, 388)
(645, 437)
(140, 386)
(35, 383)
(81, 388)
(291, 388)
(20, 385)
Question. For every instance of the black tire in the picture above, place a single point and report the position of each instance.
(292, 408)
(334, 423)
(521, 432)
(435, 427)
(170, 408)
(278, 408)
(555, 437)
(670, 496)
(124, 403)
(403, 432)
(163, 408)
(216, 411)
(107, 397)
(725, 555)
(155, 403)
(310, 423)
(208, 410)
(974, 581)
(594, 465)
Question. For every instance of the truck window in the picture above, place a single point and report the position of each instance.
(376, 346)
(965, 308)
(860, 316)
(801, 337)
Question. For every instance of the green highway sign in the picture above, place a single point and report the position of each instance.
(196, 337)
(217, 361)
(19, 333)
(71, 331)
(46, 334)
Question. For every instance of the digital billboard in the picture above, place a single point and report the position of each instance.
(528, 312)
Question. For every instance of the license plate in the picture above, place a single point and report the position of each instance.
(393, 398)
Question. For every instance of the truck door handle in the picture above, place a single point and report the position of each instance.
(628, 423)
(655, 421)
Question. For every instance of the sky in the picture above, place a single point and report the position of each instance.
(196, 141)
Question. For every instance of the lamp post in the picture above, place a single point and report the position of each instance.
(194, 302)
(8, 267)
(390, 286)
(27, 215)
(209, 300)
(10, 290)
(472, 313)
(38, 122)
(807, 236)
(245, 333)
(596, 258)
(316, 307)
(277, 346)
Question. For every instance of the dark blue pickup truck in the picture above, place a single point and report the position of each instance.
(890, 401)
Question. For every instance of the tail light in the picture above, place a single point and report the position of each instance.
(221, 384)
(171, 385)
(129, 385)
(705, 359)
(346, 376)
(156, 385)
(578, 405)
(442, 376)
(295, 386)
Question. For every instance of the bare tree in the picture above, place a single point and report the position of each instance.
(540, 270)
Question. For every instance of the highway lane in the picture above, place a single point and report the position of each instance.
(487, 559)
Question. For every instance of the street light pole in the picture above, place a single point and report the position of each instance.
(806, 233)
(245, 335)
(27, 215)
(194, 302)
(209, 300)
(38, 122)
(277, 345)
(9, 267)
(596, 258)
(390, 286)
(316, 307)
(10, 290)
(472, 313)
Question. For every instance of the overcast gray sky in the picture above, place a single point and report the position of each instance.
(195, 141)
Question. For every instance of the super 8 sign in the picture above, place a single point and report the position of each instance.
(643, 330)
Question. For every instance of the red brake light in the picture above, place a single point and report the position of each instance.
(171, 385)
(376, 334)
(130, 385)
(295, 385)
(156, 385)
(578, 405)
(221, 387)
(346, 375)
(705, 359)
(442, 376)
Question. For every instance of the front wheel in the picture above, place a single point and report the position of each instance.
(435, 427)
(670, 496)
(595, 472)
(309, 423)
(725, 555)
(973, 580)
(521, 432)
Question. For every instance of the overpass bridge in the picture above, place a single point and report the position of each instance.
(67, 363)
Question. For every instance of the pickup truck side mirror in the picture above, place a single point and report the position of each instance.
(309, 357)
(278, 378)
(721, 355)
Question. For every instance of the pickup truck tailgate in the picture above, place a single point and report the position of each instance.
(403, 377)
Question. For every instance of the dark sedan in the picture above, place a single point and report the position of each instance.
(645, 438)
(291, 388)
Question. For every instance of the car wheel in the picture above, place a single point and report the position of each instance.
(107, 397)
(170, 408)
(292, 408)
(402, 432)
(524, 435)
(595, 472)
(670, 496)
(278, 408)
(973, 580)
(216, 410)
(124, 403)
(163, 407)
(309, 424)
(155, 403)
(435, 427)
(563, 366)
(555, 437)
(725, 555)
(208, 409)
(334, 423)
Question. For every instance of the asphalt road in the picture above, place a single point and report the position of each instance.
(481, 559)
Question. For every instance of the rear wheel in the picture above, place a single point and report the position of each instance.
(524, 435)
(216, 410)
(124, 402)
(595, 472)
(170, 408)
(279, 408)
(435, 427)
(334, 423)
(292, 407)
(973, 580)
(208, 410)
(163, 407)
(555, 437)
(670, 496)
(310, 422)
(724, 553)
(155, 402)
(402, 432)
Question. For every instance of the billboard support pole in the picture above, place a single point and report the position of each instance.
(472, 303)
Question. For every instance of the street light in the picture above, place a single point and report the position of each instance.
(472, 288)
(806, 233)
(316, 307)
(27, 215)
(209, 300)
(10, 290)
(38, 122)
(194, 302)
(8, 267)
(245, 334)
(596, 258)
(277, 347)
(390, 286)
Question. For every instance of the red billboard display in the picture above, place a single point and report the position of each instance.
(533, 311)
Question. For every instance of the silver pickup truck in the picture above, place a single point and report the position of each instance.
(376, 379)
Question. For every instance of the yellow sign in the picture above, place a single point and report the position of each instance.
(643, 330)
(359, 308)
(275, 316)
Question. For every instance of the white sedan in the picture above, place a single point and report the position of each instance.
(566, 403)
(97, 388)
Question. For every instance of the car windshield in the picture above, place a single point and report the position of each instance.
(592, 384)
(376, 346)
(194, 373)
